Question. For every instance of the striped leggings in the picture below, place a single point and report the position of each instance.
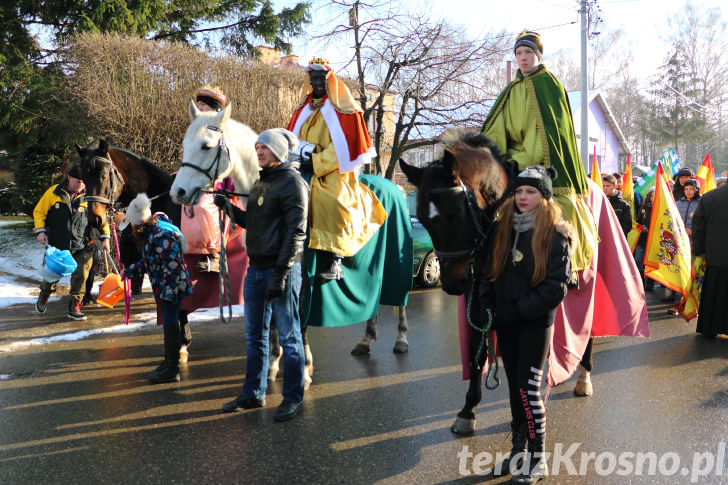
(524, 355)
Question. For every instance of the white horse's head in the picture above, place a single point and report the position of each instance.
(214, 146)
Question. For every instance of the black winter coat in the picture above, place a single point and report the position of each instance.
(621, 208)
(276, 218)
(710, 227)
(515, 302)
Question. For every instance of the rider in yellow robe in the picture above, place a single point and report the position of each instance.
(343, 213)
(531, 123)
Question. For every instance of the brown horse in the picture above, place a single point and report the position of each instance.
(114, 176)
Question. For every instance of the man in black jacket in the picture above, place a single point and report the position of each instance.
(276, 223)
(621, 208)
(710, 233)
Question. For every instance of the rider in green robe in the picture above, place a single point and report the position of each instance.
(532, 125)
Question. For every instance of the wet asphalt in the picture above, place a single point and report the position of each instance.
(83, 411)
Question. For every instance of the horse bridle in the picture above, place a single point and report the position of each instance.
(221, 145)
(481, 234)
(117, 181)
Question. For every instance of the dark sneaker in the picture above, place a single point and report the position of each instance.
(88, 300)
(241, 402)
(287, 410)
(74, 310)
(42, 303)
(167, 372)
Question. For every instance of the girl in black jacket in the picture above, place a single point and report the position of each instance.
(524, 282)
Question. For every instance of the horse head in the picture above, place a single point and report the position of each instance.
(205, 155)
(456, 197)
(102, 180)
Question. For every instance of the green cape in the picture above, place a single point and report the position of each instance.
(555, 113)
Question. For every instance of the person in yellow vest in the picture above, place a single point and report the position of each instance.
(531, 123)
(60, 220)
(343, 213)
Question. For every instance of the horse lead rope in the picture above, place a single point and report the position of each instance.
(127, 297)
(223, 274)
(485, 341)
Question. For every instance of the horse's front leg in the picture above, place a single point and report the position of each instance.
(465, 421)
(401, 345)
(370, 335)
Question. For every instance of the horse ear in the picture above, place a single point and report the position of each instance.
(193, 111)
(449, 161)
(224, 115)
(103, 146)
(79, 149)
(413, 174)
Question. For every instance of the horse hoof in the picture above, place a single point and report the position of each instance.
(360, 349)
(463, 426)
(583, 388)
(400, 348)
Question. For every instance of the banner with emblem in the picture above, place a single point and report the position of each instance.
(689, 303)
(667, 253)
(671, 166)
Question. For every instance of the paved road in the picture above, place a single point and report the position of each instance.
(83, 412)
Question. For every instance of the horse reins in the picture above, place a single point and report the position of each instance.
(482, 235)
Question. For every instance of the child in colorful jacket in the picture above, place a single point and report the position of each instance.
(162, 247)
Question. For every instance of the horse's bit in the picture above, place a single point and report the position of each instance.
(216, 162)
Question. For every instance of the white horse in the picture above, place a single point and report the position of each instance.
(216, 146)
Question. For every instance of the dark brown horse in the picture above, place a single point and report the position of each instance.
(456, 199)
(114, 176)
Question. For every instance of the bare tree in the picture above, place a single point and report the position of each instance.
(427, 73)
(698, 39)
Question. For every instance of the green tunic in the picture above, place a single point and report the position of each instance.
(531, 123)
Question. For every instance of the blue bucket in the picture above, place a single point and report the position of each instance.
(59, 262)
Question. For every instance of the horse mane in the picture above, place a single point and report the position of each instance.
(476, 163)
(149, 166)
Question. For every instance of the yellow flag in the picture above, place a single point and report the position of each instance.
(691, 301)
(628, 186)
(596, 175)
(667, 253)
(634, 235)
(706, 175)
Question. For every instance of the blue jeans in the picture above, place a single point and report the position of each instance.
(170, 312)
(639, 256)
(258, 313)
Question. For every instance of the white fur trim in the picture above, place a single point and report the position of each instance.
(341, 147)
(139, 210)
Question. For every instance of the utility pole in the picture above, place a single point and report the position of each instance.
(584, 97)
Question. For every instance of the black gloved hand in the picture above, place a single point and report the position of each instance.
(220, 201)
(276, 285)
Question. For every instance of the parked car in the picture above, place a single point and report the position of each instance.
(426, 268)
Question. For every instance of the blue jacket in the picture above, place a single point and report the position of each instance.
(162, 259)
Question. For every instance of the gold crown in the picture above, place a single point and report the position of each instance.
(319, 60)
